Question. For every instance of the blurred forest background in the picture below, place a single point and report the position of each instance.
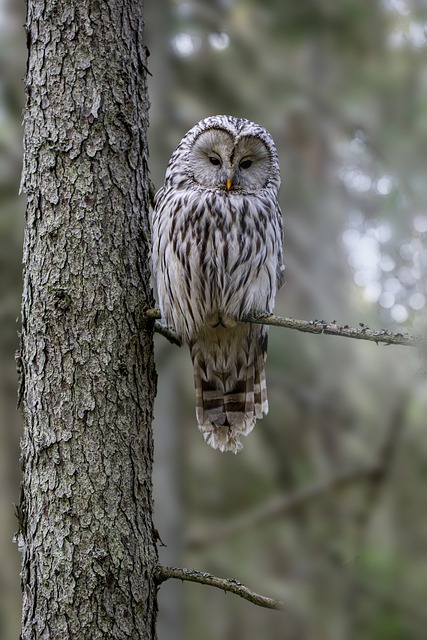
(326, 506)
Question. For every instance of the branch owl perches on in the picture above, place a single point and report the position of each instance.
(217, 257)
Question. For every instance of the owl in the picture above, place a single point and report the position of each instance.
(217, 257)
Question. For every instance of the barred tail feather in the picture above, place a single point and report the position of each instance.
(260, 384)
(230, 384)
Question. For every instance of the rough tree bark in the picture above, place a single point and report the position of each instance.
(86, 534)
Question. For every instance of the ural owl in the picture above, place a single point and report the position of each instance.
(217, 257)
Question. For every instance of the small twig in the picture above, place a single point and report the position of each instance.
(283, 504)
(234, 586)
(329, 328)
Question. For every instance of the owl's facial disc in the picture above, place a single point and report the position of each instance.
(209, 162)
(219, 161)
(252, 164)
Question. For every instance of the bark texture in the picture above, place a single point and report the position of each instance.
(86, 533)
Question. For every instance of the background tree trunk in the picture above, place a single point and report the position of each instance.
(88, 371)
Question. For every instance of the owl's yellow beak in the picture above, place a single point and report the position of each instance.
(228, 184)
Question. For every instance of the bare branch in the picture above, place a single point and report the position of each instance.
(226, 584)
(283, 504)
(329, 328)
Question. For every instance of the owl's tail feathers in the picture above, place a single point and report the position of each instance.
(260, 386)
(224, 416)
(227, 406)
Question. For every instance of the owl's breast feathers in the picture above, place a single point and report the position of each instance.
(216, 255)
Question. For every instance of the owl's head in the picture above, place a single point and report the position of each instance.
(228, 154)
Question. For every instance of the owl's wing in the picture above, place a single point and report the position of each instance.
(155, 230)
(280, 276)
(280, 270)
(157, 198)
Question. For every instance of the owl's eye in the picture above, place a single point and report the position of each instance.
(214, 160)
(245, 164)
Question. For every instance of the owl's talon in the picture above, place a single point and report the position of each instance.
(219, 320)
(261, 314)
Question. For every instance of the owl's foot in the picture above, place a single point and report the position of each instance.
(221, 320)
(258, 315)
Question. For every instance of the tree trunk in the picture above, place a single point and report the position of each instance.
(89, 382)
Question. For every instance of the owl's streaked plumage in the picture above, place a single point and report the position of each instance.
(217, 257)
